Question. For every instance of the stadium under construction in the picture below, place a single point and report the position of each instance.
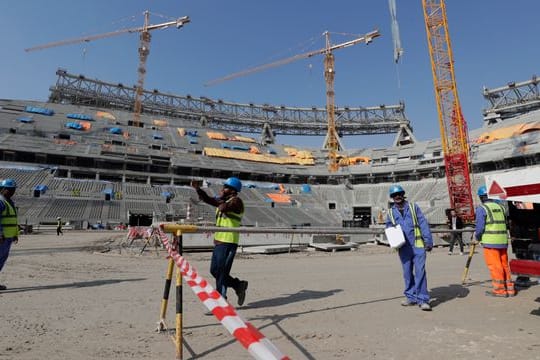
(80, 156)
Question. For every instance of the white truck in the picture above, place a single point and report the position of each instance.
(521, 189)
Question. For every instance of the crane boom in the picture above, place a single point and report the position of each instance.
(453, 127)
(178, 23)
(144, 50)
(367, 38)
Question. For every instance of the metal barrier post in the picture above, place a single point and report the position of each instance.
(168, 277)
(178, 336)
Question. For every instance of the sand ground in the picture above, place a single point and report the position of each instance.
(67, 299)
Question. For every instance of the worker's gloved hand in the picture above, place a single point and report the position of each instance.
(429, 248)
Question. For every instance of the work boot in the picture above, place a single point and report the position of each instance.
(407, 302)
(241, 292)
(3, 287)
(494, 294)
(425, 307)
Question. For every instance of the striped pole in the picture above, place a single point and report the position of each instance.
(161, 324)
(178, 335)
(469, 258)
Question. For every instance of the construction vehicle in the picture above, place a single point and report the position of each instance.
(144, 50)
(453, 127)
(521, 190)
(331, 142)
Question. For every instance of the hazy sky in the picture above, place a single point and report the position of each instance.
(494, 42)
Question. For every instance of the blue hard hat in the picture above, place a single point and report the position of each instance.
(234, 183)
(482, 191)
(394, 189)
(8, 183)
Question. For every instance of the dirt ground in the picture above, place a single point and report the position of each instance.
(67, 299)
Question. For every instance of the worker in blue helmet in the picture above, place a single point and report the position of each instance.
(412, 253)
(229, 212)
(9, 227)
(492, 232)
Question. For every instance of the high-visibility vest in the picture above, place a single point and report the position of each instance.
(495, 232)
(9, 220)
(228, 220)
(418, 241)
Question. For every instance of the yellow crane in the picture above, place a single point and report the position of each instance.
(331, 143)
(144, 50)
(454, 133)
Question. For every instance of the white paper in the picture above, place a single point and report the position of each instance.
(395, 236)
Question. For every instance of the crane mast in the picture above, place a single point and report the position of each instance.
(453, 127)
(331, 143)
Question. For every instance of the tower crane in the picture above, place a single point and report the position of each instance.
(331, 143)
(453, 127)
(144, 50)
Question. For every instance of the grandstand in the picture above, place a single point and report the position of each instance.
(80, 157)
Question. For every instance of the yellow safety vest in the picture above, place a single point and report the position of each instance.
(495, 232)
(418, 241)
(9, 221)
(228, 220)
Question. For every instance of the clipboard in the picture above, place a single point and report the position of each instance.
(395, 236)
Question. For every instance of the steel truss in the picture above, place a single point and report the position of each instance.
(511, 100)
(218, 114)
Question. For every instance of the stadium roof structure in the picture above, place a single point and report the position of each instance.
(222, 115)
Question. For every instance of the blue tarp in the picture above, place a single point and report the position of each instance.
(80, 117)
(25, 119)
(193, 133)
(108, 191)
(157, 136)
(193, 141)
(115, 130)
(74, 125)
(39, 110)
(306, 188)
(225, 146)
(240, 147)
(166, 194)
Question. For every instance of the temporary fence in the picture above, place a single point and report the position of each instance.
(252, 339)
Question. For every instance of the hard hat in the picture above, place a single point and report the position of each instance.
(394, 189)
(8, 183)
(482, 191)
(58, 218)
(234, 183)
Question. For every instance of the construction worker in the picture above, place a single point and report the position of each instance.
(229, 212)
(412, 254)
(9, 227)
(455, 222)
(59, 226)
(492, 233)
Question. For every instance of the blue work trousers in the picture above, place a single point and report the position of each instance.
(413, 261)
(220, 267)
(5, 246)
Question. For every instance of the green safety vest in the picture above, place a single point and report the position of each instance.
(495, 232)
(228, 220)
(9, 220)
(418, 241)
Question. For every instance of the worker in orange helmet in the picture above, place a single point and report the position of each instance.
(492, 233)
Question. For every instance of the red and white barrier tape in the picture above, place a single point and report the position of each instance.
(252, 339)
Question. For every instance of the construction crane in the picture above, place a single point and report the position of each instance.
(454, 133)
(331, 143)
(144, 50)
